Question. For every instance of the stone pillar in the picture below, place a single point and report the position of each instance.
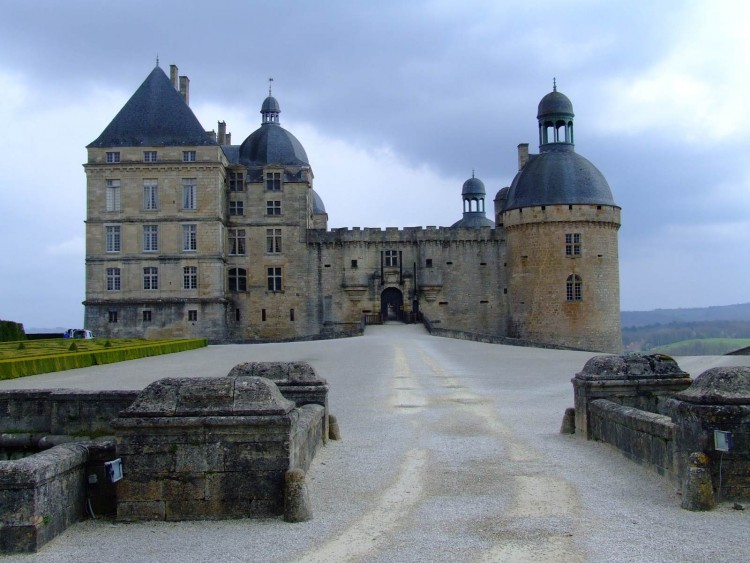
(204, 448)
(718, 399)
(635, 380)
(297, 382)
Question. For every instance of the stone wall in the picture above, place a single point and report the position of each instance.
(539, 266)
(61, 411)
(644, 437)
(655, 418)
(203, 448)
(41, 495)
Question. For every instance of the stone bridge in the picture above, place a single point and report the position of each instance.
(451, 452)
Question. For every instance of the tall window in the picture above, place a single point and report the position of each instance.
(113, 238)
(151, 278)
(273, 181)
(150, 238)
(150, 194)
(146, 315)
(188, 156)
(236, 208)
(112, 316)
(572, 244)
(113, 195)
(391, 258)
(149, 156)
(113, 157)
(189, 193)
(274, 279)
(237, 242)
(574, 288)
(236, 182)
(190, 277)
(273, 241)
(237, 279)
(113, 279)
(273, 207)
(189, 238)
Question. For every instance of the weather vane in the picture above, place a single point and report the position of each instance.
(270, 83)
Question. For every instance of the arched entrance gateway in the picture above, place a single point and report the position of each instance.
(392, 304)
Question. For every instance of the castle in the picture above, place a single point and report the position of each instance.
(188, 235)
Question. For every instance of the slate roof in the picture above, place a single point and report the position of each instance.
(558, 176)
(154, 116)
(474, 220)
(272, 144)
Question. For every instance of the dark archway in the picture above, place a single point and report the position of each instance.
(392, 304)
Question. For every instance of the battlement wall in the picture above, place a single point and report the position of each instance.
(405, 234)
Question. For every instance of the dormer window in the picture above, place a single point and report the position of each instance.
(273, 181)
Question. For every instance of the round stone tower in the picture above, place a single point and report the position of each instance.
(561, 228)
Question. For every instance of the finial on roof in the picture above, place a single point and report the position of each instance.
(157, 59)
(270, 83)
(554, 84)
(472, 172)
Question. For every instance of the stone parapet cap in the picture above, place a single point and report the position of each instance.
(719, 386)
(206, 397)
(628, 367)
(281, 373)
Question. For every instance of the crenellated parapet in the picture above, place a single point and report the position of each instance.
(404, 235)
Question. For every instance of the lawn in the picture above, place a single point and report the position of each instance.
(29, 357)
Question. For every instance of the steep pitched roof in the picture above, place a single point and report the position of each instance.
(156, 115)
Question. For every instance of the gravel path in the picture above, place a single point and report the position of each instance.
(451, 452)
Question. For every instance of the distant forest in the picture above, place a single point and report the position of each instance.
(710, 330)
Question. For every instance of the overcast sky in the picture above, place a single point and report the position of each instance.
(396, 102)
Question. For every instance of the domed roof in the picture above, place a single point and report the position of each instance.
(318, 206)
(473, 220)
(473, 186)
(272, 144)
(270, 105)
(558, 177)
(502, 194)
(555, 103)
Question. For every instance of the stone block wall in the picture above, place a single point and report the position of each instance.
(61, 411)
(644, 437)
(43, 494)
(203, 448)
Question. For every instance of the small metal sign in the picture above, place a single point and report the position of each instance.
(722, 441)
(114, 470)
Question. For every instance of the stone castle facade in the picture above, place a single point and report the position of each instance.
(190, 235)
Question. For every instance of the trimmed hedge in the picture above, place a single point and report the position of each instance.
(21, 367)
(10, 331)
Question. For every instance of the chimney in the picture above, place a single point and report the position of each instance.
(185, 89)
(173, 73)
(523, 155)
(229, 139)
(222, 132)
(212, 134)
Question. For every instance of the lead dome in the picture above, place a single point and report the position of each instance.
(557, 175)
(271, 143)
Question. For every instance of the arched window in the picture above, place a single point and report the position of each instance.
(574, 288)
(237, 279)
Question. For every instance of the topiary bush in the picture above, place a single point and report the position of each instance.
(10, 331)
